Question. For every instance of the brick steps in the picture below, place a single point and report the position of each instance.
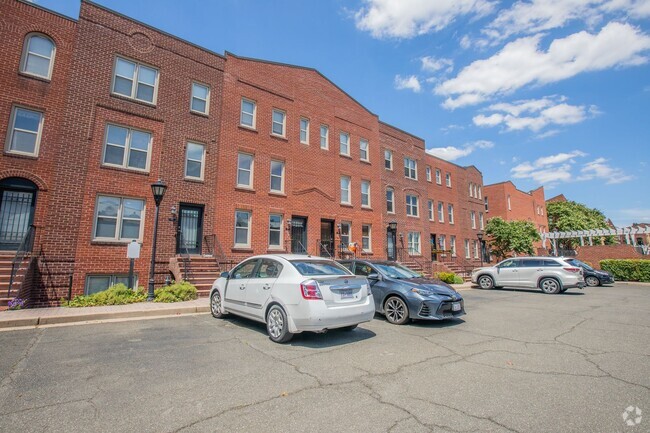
(202, 272)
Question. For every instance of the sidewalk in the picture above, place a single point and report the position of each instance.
(57, 315)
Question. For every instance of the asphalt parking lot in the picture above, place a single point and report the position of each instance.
(519, 361)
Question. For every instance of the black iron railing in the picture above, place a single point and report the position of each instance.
(185, 257)
(24, 249)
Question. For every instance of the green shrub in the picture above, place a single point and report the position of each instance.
(448, 277)
(458, 279)
(177, 292)
(628, 269)
(117, 294)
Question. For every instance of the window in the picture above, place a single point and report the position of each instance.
(275, 231)
(467, 250)
(509, 207)
(24, 135)
(279, 120)
(245, 170)
(324, 137)
(344, 143)
(248, 109)
(388, 159)
(365, 193)
(471, 193)
(200, 98)
(430, 204)
(268, 269)
(118, 218)
(127, 147)
(414, 242)
(475, 249)
(480, 220)
(438, 176)
(479, 192)
(366, 238)
(486, 205)
(244, 270)
(345, 190)
(475, 191)
(448, 179)
(242, 228)
(450, 213)
(412, 208)
(410, 168)
(428, 174)
(38, 56)
(363, 150)
(304, 131)
(277, 176)
(135, 80)
(472, 216)
(390, 200)
(346, 233)
(452, 245)
(441, 212)
(99, 283)
(194, 160)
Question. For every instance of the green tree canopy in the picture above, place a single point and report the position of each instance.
(570, 215)
(506, 237)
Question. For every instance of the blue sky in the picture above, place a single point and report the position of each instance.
(542, 92)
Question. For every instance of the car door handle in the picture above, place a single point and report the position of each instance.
(266, 287)
(540, 270)
(242, 287)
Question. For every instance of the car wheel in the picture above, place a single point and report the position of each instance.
(277, 326)
(592, 281)
(550, 286)
(215, 305)
(485, 282)
(397, 312)
(349, 328)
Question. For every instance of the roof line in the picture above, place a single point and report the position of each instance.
(464, 167)
(401, 130)
(308, 68)
(517, 189)
(43, 8)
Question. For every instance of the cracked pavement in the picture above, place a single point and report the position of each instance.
(519, 361)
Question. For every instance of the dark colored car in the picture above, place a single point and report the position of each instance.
(402, 294)
(592, 276)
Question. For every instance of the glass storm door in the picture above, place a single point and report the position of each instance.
(190, 229)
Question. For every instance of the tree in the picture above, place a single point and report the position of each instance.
(569, 216)
(506, 237)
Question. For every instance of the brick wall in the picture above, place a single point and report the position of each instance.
(594, 254)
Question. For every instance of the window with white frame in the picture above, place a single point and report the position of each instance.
(99, 283)
(25, 131)
(118, 218)
(365, 193)
(346, 233)
(275, 231)
(468, 253)
(412, 206)
(448, 179)
(476, 249)
(277, 176)
(135, 80)
(472, 217)
(38, 56)
(345, 190)
(410, 168)
(486, 204)
(450, 213)
(364, 154)
(509, 207)
(442, 241)
(475, 191)
(471, 190)
(441, 212)
(279, 122)
(194, 157)
(479, 192)
(452, 245)
(414, 243)
(242, 228)
(200, 102)
(431, 212)
(324, 137)
(438, 176)
(388, 159)
(248, 113)
(304, 130)
(428, 174)
(344, 143)
(245, 170)
(366, 237)
(390, 200)
(127, 147)
(480, 220)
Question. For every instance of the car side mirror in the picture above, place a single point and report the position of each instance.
(225, 275)
(374, 276)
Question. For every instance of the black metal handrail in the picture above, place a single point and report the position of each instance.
(187, 271)
(325, 247)
(24, 248)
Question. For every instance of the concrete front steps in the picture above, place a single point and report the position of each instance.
(202, 272)
(6, 259)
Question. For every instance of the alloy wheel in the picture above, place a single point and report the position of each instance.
(396, 310)
(592, 281)
(276, 323)
(551, 286)
(215, 304)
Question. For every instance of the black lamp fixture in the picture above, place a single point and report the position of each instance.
(392, 226)
(158, 189)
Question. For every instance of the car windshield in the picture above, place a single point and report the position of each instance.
(396, 271)
(319, 267)
(576, 262)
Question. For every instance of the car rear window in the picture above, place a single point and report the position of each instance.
(319, 267)
(550, 262)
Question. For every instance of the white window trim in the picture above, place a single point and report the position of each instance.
(448, 180)
(241, 113)
(304, 119)
(472, 216)
(271, 175)
(441, 212)
(452, 245)
(134, 87)
(468, 253)
(481, 221)
(392, 201)
(349, 198)
(284, 123)
(327, 137)
(438, 176)
(369, 205)
(414, 169)
(411, 236)
(111, 277)
(118, 225)
(417, 206)
(509, 206)
(252, 171)
(341, 134)
(390, 159)
(428, 170)
(187, 159)
(248, 229)
(11, 129)
(23, 58)
(367, 158)
(207, 100)
(127, 148)
(431, 210)
(450, 213)
(369, 249)
(348, 224)
(281, 245)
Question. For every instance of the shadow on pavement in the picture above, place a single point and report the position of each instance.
(573, 292)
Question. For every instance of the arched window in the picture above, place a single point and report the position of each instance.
(38, 56)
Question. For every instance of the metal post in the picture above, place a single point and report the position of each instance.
(131, 262)
(150, 295)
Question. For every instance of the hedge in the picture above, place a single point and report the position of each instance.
(119, 294)
(449, 277)
(628, 269)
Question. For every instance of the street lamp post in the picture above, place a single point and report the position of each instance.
(158, 189)
(479, 235)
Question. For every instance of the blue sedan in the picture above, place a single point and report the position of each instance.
(402, 294)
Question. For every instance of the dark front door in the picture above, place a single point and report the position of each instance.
(434, 247)
(298, 235)
(391, 248)
(327, 238)
(17, 200)
(190, 229)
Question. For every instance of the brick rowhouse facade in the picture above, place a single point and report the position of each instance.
(270, 181)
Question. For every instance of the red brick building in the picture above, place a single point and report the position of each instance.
(257, 156)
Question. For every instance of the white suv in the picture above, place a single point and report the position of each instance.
(550, 274)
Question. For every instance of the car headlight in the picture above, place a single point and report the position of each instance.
(423, 292)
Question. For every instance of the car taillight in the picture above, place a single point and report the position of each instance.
(310, 290)
(572, 269)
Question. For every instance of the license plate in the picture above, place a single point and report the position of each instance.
(347, 294)
(455, 306)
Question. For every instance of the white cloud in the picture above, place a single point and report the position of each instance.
(452, 153)
(410, 18)
(599, 169)
(521, 63)
(411, 83)
(432, 64)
